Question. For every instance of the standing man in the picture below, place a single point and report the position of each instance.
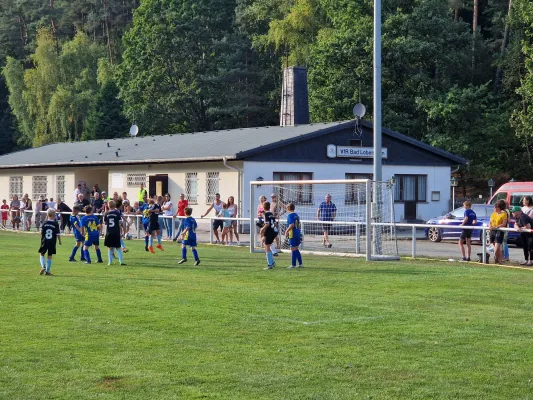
(82, 202)
(217, 223)
(142, 195)
(98, 203)
(77, 192)
(63, 209)
(326, 212)
(85, 191)
(524, 221)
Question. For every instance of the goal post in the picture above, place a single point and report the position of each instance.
(350, 217)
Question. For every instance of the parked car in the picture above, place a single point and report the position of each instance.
(455, 217)
(512, 193)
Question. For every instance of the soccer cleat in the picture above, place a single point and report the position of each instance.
(151, 249)
(72, 260)
(87, 262)
(268, 267)
(42, 271)
(292, 266)
(275, 254)
(123, 263)
(160, 247)
(463, 259)
(125, 250)
(100, 261)
(300, 266)
(83, 259)
(49, 274)
(329, 246)
(183, 260)
(109, 264)
(146, 248)
(197, 262)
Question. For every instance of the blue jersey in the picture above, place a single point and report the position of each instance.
(293, 218)
(75, 223)
(91, 223)
(190, 235)
(471, 215)
(145, 214)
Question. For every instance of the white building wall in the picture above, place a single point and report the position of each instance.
(438, 179)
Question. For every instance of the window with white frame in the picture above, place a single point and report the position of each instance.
(211, 186)
(15, 186)
(410, 188)
(295, 193)
(39, 186)
(60, 187)
(355, 193)
(135, 180)
(191, 187)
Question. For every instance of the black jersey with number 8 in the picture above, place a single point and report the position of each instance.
(49, 232)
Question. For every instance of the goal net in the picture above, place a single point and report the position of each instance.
(345, 217)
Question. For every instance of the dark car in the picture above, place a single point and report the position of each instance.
(454, 218)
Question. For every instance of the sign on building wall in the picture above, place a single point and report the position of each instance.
(353, 151)
(117, 181)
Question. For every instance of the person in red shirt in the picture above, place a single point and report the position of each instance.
(4, 206)
(182, 205)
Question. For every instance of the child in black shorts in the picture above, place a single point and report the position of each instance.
(50, 233)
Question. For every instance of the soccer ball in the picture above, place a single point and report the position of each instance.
(128, 236)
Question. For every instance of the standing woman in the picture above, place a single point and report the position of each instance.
(233, 210)
(29, 213)
(14, 211)
(168, 212)
(527, 208)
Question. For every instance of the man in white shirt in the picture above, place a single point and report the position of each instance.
(217, 223)
(76, 193)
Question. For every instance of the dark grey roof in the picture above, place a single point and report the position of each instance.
(200, 146)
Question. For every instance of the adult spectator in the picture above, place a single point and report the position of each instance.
(98, 203)
(85, 191)
(142, 195)
(82, 202)
(217, 223)
(233, 210)
(77, 192)
(103, 196)
(498, 219)
(168, 211)
(117, 199)
(326, 213)
(125, 198)
(23, 201)
(180, 212)
(14, 211)
(39, 211)
(64, 210)
(28, 212)
(95, 190)
(524, 221)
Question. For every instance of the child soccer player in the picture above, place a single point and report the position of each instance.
(78, 233)
(154, 229)
(143, 210)
(293, 234)
(4, 206)
(189, 237)
(269, 231)
(50, 233)
(91, 230)
(113, 222)
(466, 234)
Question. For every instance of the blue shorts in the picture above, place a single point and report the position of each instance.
(146, 225)
(189, 242)
(79, 237)
(95, 240)
(295, 241)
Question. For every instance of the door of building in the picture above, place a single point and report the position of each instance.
(158, 185)
(410, 210)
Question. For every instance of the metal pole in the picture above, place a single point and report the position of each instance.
(368, 226)
(491, 191)
(453, 197)
(413, 249)
(484, 246)
(377, 92)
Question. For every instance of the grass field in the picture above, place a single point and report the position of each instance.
(337, 329)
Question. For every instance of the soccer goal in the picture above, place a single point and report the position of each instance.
(353, 217)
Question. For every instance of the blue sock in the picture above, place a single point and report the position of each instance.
(299, 256)
(99, 254)
(74, 251)
(184, 252)
(159, 237)
(505, 251)
(268, 258)
(151, 241)
(293, 258)
(195, 254)
(271, 255)
(41, 260)
(87, 255)
(110, 256)
(146, 240)
(122, 243)
(120, 256)
(48, 265)
(82, 257)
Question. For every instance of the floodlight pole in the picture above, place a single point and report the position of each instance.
(377, 91)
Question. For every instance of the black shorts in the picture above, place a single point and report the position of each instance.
(218, 223)
(497, 237)
(112, 240)
(326, 228)
(47, 248)
(270, 237)
(154, 227)
(466, 234)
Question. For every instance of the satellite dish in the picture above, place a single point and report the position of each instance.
(359, 111)
(134, 130)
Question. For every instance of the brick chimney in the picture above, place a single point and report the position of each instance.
(294, 97)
